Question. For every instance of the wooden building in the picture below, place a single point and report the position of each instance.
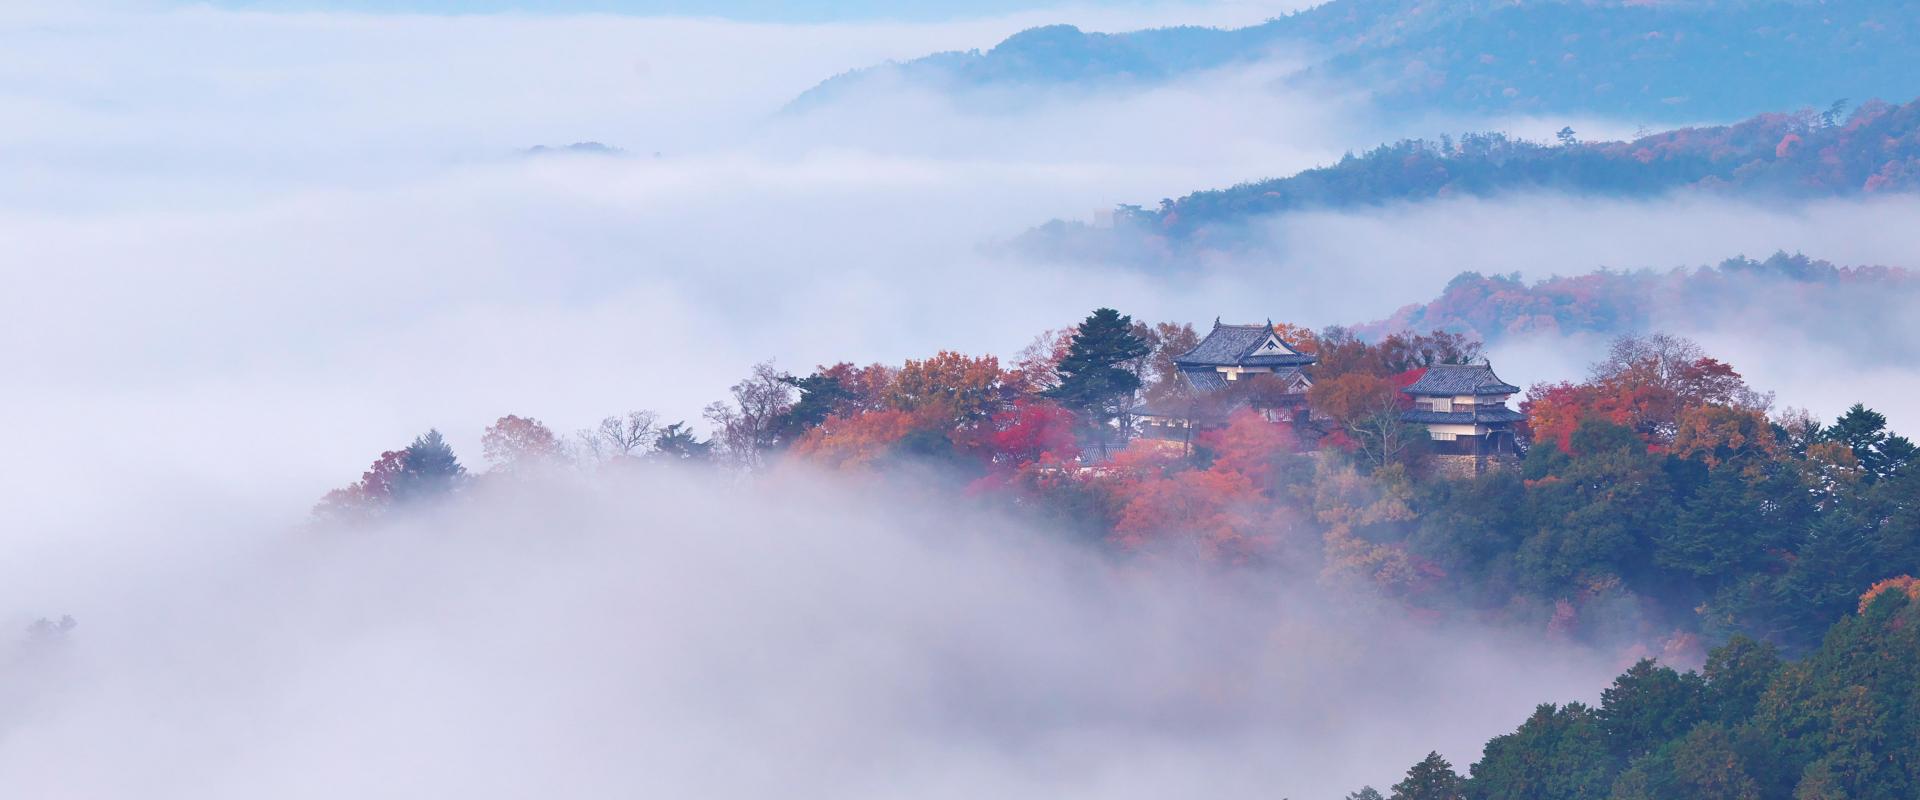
(1464, 409)
(1234, 367)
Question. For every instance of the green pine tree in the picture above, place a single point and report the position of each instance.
(1092, 382)
(1431, 779)
(1560, 753)
(429, 469)
(677, 443)
(1648, 705)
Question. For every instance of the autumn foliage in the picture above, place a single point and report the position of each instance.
(1648, 384)
(515, 442)
(1904, 584)
(1026, 433)
(861, 440)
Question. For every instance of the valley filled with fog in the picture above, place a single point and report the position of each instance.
(246, 251)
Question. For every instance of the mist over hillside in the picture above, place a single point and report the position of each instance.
(369, 439)
(1772, 293)
(1682, 61)
(1789, 158)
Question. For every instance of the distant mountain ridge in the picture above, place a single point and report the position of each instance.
(1659, 61)
(1772, 293)
(1874, 150)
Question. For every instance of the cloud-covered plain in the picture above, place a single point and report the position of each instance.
(626, 640)
(247, 252)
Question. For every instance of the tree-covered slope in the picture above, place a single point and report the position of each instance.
(1802, 155)
(1844, 722)
(1674, 61)
(1775, 291)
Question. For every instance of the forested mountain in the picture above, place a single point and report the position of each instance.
(1777, 290)
(1873, 150)
(1677, 60)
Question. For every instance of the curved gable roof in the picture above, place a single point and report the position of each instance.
(1242, 346)
(1457, 379)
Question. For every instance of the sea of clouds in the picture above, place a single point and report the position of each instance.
(246, 252)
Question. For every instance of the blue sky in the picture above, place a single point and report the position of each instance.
(756, 10)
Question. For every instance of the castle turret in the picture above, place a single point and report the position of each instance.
(1234, 367)
(1464, 409)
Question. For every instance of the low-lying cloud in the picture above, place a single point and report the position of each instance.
(248, 252)
(669, 635)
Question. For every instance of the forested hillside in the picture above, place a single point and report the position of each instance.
(1663, 507)
(1842, 722)
(1873, 150)
(1663, 502)
(1491, 308)
(1705, 59)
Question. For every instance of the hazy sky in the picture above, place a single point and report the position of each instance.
(238, 220)
(246, 252)
(1196, 11)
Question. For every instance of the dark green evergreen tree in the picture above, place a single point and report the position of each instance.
(428, 469)
(678, 444)
(1703, 765)
(1835, 564)
(1093, 382)
(1865, 431)
(1560, 753)
(1845, 721)
(1895, 455)
(1431, 779)
(821, 396)
(1649, 705)
(1718, 532)
(1598, 520)
(1737, 674)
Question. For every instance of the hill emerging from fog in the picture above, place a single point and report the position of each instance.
(1875, 150)
(1664, 60)
(1771, 294)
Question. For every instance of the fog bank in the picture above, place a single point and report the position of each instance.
(667, 635)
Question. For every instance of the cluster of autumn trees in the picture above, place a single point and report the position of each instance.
(427, 470)
(1842, 722)
(1661, 500)
(1659, 493)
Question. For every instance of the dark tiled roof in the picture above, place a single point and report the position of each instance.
(1205, 380)
(1233, 345)
(1482, 414)
(1443, 380)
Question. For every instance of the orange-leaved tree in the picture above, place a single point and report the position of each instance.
(518, 443)
(952, 386)
(1717, 434)
(859, 440)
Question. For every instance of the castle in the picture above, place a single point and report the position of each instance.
(1462, 407)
